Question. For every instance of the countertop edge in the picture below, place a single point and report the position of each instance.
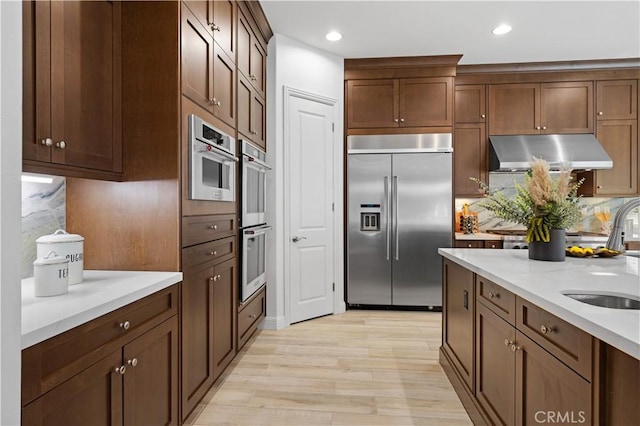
(38, 335)
(622, 343)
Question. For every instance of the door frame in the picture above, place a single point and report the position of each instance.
(339, 304)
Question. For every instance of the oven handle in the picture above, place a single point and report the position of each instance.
(259, 230)
(216, 152)
(261, 164)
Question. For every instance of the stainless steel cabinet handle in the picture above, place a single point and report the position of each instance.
(125, 325)
(395, 217)
(133, 362)
(121, 370)
(47, 142)
(61, 144)
(213, 227)
(295, 239)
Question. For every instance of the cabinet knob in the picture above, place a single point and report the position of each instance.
(133, 362)
(515, 347)
(217, 277)
(213, 227)
(121, 370)
(482, 116)
(538, 128)
(253, 316)
(253, 132)
(600, 113)
(508, 342)
(599, 186)
(252, 77)
(544, 127)
(395, 120)
(493, 246)
(469, 245)
(544, 329)
(214, 27)
(61, 144)
(125, 325)
(47, 142)
(213, 253)
(402, 120)
(493, 295)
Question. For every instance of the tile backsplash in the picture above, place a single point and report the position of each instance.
(43, 212)
(505, 183)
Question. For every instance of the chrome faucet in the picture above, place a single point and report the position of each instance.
(616, 238)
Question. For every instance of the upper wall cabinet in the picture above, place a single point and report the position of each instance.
(208, 73)
(541, 108)
(470, 103)
(219, 19)
(404, 102)
(252, 53)
(72, 89)
(617, 100)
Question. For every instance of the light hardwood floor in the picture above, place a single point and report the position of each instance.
(357, 368)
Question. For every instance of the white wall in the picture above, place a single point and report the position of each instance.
(299, 66)
(10, 168)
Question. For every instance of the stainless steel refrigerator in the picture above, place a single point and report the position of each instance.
(400, 211)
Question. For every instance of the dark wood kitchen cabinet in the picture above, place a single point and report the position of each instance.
(617, 100)
(219, 19)
(405, 102)
(470, 103)
(72, 123)
(541, 108)
(470, 159)
(250, 315)
(209, 304)
(252, 51)
(251, 113)
(208, 73)
(113, 375)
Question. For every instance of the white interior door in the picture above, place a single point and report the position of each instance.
(310, 217)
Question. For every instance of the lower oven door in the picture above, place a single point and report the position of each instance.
(254, 189)
(253, 260)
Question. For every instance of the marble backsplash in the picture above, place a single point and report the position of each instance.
(505, 183)
(43, 212)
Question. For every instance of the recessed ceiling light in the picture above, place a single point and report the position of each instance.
(333, 36)
(501, 29)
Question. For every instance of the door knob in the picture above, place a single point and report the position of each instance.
(296, 239)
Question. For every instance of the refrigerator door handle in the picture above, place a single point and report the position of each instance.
(387, 206)
(395, 217)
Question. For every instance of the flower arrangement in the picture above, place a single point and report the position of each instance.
(542, 204)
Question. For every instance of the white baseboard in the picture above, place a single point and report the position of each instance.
(274, 323)
(341, 308)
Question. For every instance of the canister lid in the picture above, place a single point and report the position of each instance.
(60, 236)
(51, 258)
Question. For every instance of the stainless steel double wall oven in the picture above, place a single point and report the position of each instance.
(253, 227)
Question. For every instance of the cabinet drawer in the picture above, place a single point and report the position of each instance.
(469, 244)
(496, 298)
(493, 244)
(55, 360)
(249, 317)
(200, 229)
(563, 340)
(208, 254)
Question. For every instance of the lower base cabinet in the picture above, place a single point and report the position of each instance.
(133, 382)
(250, 315)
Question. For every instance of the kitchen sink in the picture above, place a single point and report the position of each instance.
(607, 300)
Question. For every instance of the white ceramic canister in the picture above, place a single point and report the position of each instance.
(51, 275)
(70, 246)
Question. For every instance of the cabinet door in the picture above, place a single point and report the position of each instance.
(426, 102)
(617, 100)
(620, 139)
(470, 159)
(495, 366)
(547, 391)
(86, 86)
(457, 326)
(224, 26)
(224, 83)
(244, 44)
(514, 109)
(258, 67)
(92, 397)
(258, 121)
(151, 378)
(245, 97)
(203, 11)
(197, 336)
(372, 103)
(225, 312)
(566, 107)
(470, 103)
(197, 61)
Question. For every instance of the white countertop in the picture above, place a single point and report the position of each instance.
(543, 283)
(99, 293)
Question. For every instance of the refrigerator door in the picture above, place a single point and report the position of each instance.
(369, 236)
(421, 222)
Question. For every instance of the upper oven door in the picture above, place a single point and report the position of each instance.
(254, 189)
(212, 173)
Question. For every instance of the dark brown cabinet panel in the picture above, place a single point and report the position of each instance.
(469, 244)
(218, 18)
(495, 366)
(197, 61)
(620, 139)
(252, 56)
(392, 103)
(129, 378)
(258, 67)
(73, 88)
(470, 103)
(617, 100)
(470, 159)
(546, 108)
(501, 301)
(458, 319)
(493, 244)
(225, 309)
(224, 83)
(251, 113)
(250, 314)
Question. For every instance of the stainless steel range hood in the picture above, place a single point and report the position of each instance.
(575, 151)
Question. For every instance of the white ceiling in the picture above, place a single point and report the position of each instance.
(542, 30)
